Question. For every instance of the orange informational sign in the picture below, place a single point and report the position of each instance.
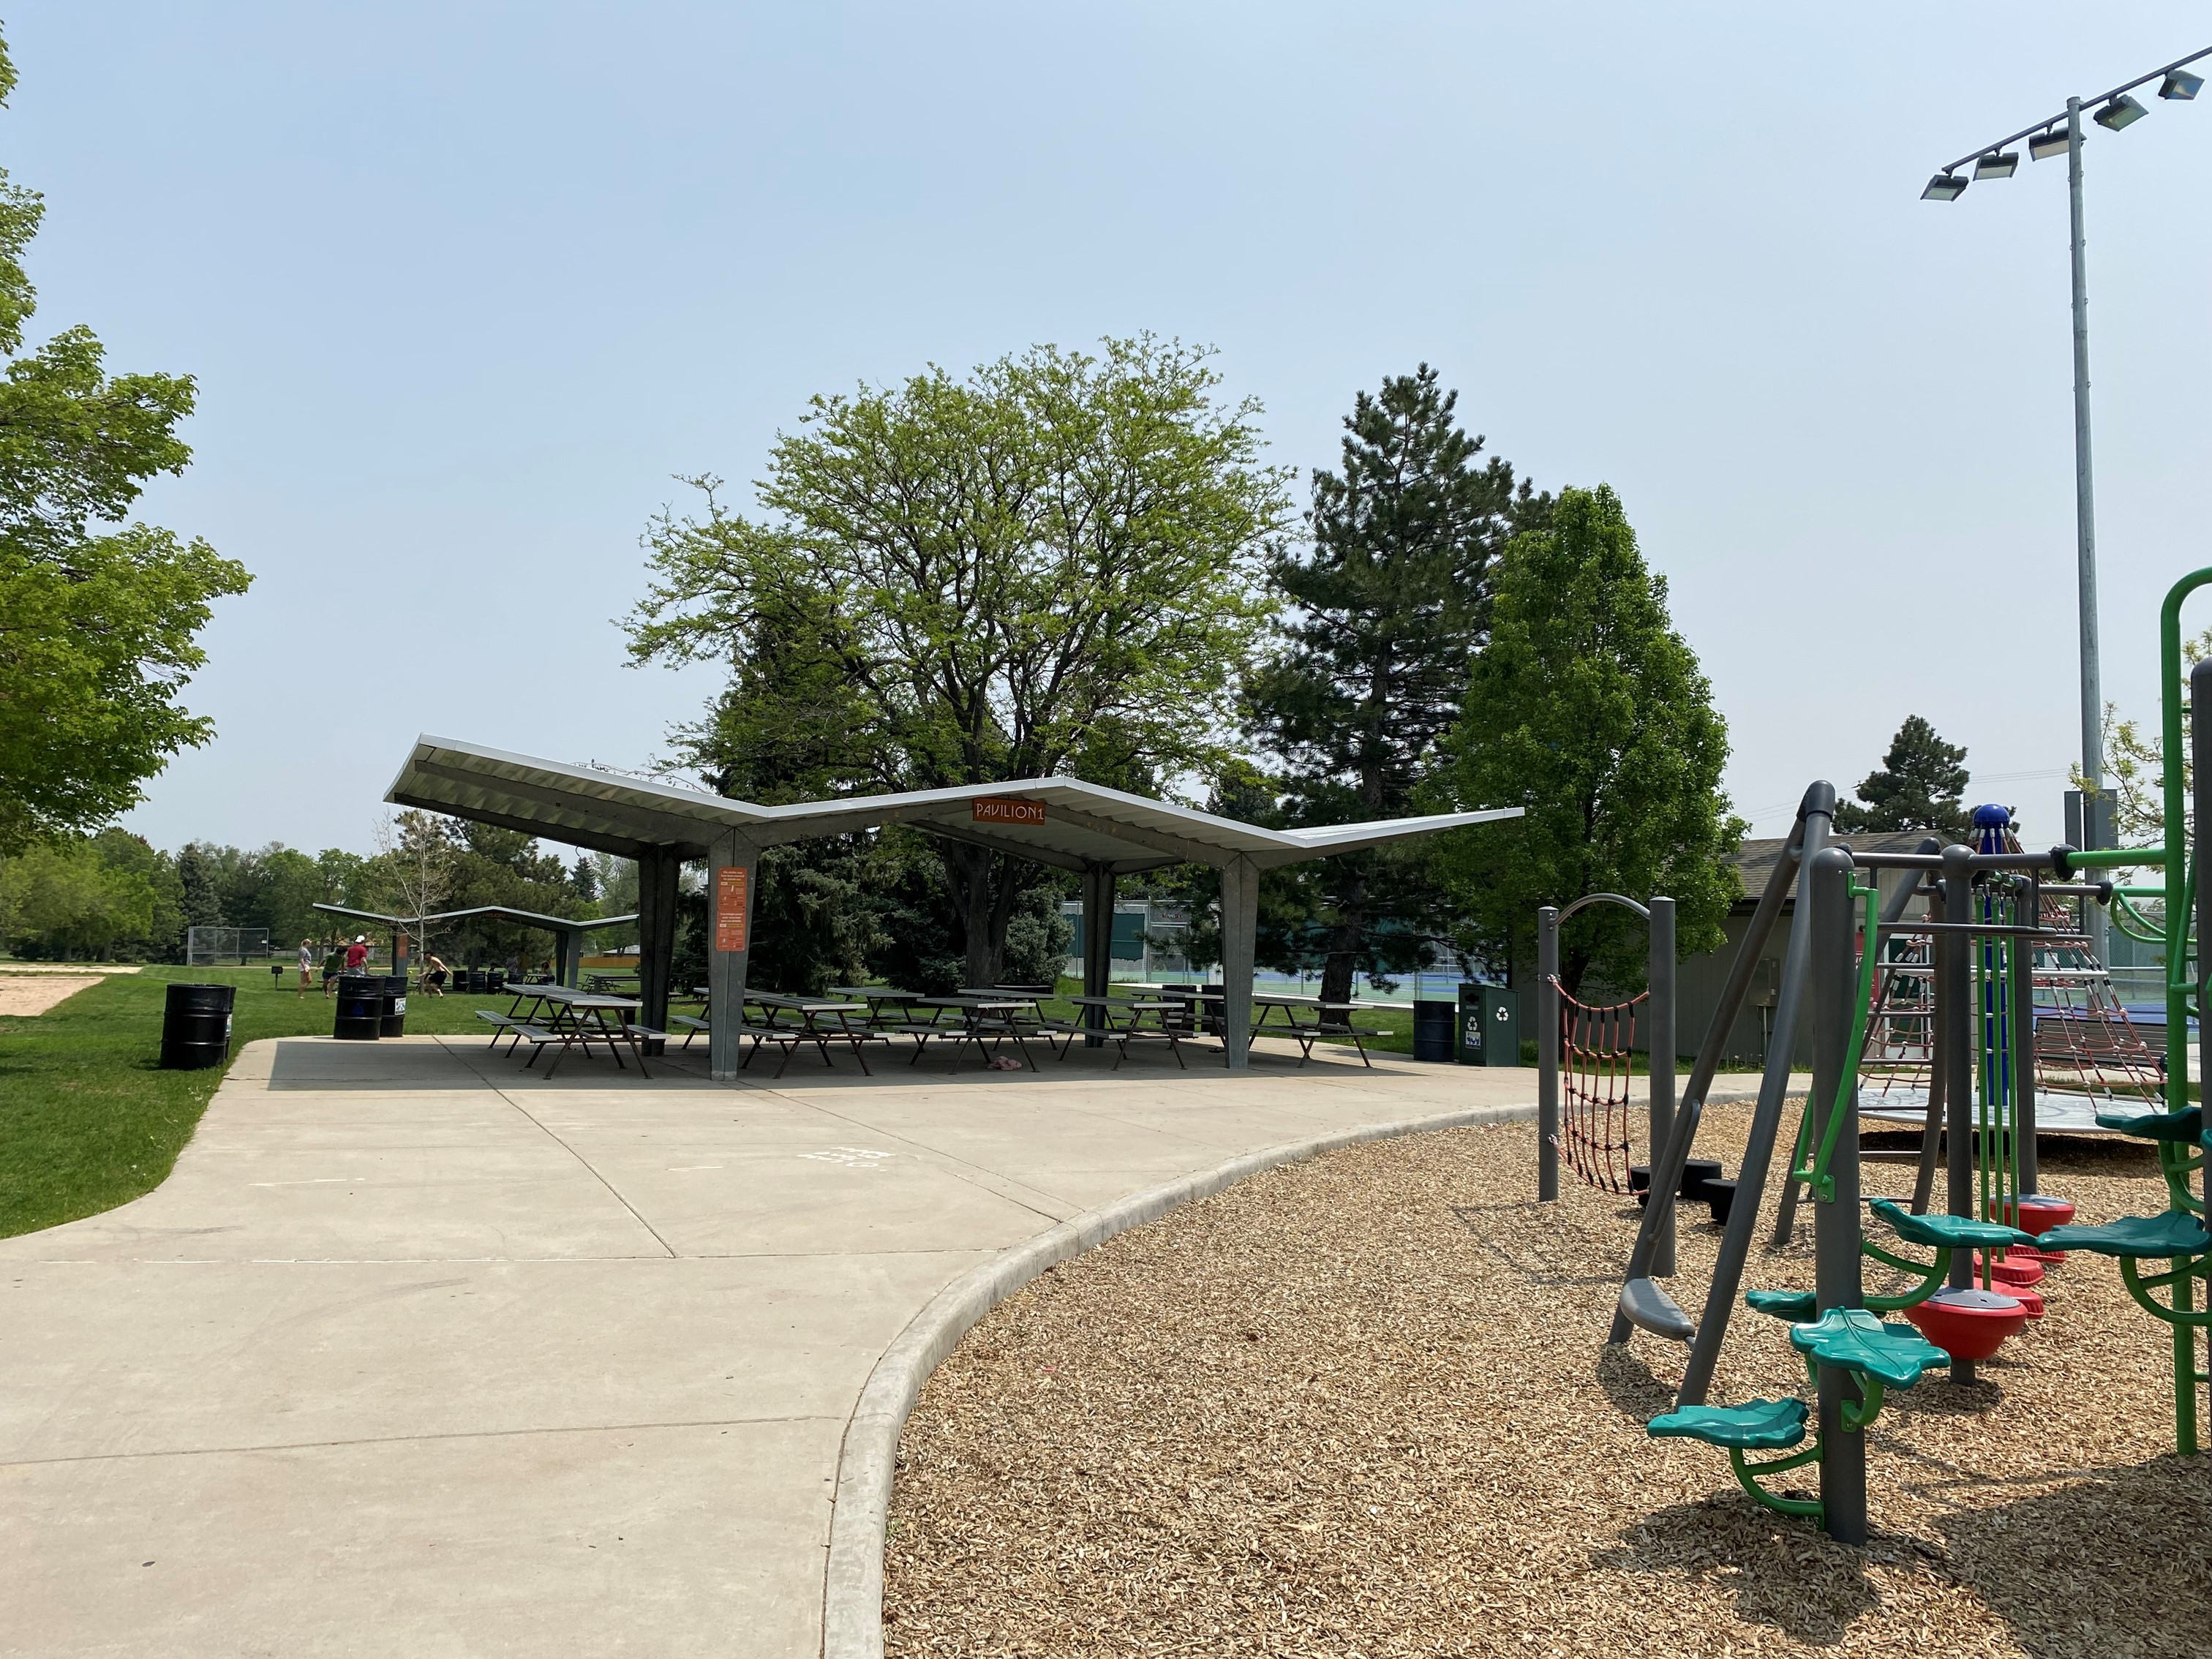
(730, 908)
(1005, 809)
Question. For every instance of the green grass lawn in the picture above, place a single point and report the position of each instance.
(87, 1118)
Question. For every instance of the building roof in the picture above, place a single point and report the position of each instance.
(1754, 860)
(1057, 821)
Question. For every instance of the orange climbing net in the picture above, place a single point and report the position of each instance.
(1594, 1045)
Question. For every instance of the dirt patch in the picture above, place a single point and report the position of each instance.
(1358, 1406)
(36, 994)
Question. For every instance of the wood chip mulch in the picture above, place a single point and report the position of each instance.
(1357, 1408)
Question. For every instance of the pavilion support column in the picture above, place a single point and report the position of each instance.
(568, 964)
(1098, 943)
(658, 869)
(1240, 933)
(733, 867)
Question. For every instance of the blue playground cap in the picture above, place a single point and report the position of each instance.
(1992, 817)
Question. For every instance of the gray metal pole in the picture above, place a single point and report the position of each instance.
(1240, 929)
(1954, 991)
(1836, 1217)
(1097, 946)
(1659, 1213)
(1765, 1120)
(2085, 520)
(1547, 1054)
(1659, 979)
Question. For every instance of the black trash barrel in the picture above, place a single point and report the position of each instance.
(393, 1011)
(1436, 1028)
(494, 981)
(360, 1007)
(196, 1026)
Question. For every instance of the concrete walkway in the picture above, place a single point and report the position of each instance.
(418, 1354)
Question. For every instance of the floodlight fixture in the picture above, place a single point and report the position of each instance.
(2181, 86)
(1944, 187)
(2121, 111)
(2044, 145)
(1997, 164)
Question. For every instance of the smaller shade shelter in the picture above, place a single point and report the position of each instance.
(567, 930)
(1102, 834)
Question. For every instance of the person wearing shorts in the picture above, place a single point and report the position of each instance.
(434, 978)
(333, 959)
(306, 966)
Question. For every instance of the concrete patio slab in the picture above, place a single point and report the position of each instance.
(418, 1353)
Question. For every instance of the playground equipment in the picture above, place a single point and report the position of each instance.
(1852, 1353)
(1598, 1041)
(1990, 916)
(2177, 1237)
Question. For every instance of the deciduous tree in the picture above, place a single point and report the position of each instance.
(1049, 566)
(1589, 709)
(99, 619)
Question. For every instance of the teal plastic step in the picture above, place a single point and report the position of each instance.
(1856, 1340)
(2184, 1125)
(1946, 1232)
(2170, 1232)
(1759, 1425)
(1798, 1307)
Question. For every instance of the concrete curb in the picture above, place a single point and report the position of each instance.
(853, 1594)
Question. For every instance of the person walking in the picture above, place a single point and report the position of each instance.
(433, 976)
(357, 953)
(332, 958)
(307, 967)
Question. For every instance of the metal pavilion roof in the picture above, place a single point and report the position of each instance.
(1057, 821)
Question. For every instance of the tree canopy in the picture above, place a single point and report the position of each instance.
(1383, 612)
(1049, 566)
(98, 620)
(1589, 709)
(1918, 787)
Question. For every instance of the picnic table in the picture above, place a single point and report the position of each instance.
(1124, 1022)
(1330, 1019)
(793, 1022)
(991, 1017)
(562, 1017)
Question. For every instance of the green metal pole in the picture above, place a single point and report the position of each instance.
(2177, 845)
(2178, 982)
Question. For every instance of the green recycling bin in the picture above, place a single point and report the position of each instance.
(1489, 1025)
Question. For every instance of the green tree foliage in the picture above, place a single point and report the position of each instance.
(1384, 611)
(98, 624)
(62, 900)
(1918, 787)
(1049, 566)
(1588, 708)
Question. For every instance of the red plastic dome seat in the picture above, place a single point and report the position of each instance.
(1969, 1324)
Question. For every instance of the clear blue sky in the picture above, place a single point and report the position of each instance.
(465, 285)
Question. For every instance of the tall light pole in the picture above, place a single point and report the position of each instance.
(2056, 136)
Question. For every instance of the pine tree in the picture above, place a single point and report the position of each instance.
(1918, 787)
(1385, 609)
(1587, 708)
